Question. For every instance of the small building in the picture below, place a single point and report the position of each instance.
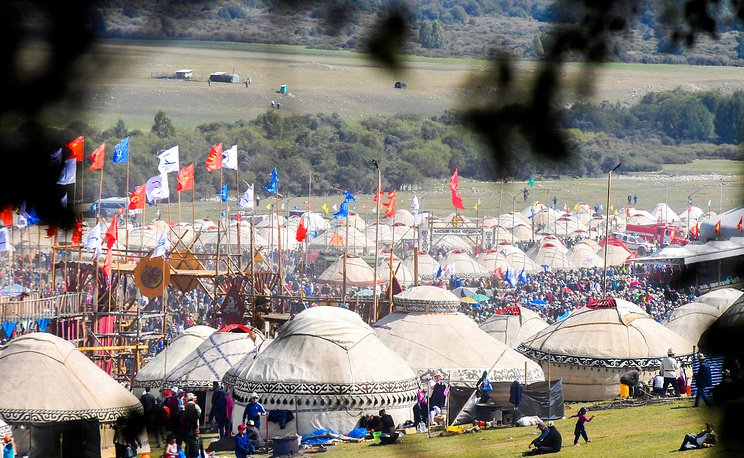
(224, 77)
(185, 74)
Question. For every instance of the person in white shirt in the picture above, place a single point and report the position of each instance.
(669, 368)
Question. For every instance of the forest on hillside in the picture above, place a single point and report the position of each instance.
(521, 29)
(664, 127)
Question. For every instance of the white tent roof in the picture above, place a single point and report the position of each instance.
(553, 256)
(492, 260)
(513, 327)
(154, 372)
(400, 271)
(328, 367)
(46, 379)
(426, 265)
(583, 256)
(464, 265)
(721, 298)
(449, 343)
(662, 210)
(211, 360)
(335, 238)
(691, 320)
(358, 272)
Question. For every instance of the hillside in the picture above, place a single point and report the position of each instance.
(468, 28)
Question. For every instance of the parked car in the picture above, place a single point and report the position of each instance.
(400, 85)
(634, 243)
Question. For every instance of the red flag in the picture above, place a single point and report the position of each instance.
(456, 199)
(390, 211)
(738, 226)
(112, 233)
(76, 149)
(364, 206)
(309, 206)
(214, 160)
(6, 214)
(718, 226)
(97, 157)
(137, 198)
(186, 178)
(694, 231)
(77, 233)
(336, 240)
(497, 272)
(51, 230)
(107, 262)
(301, 231)
(233, 306)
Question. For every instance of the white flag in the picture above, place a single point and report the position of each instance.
(162, 247)
(415, 207)
(230, 158)
(168, 161)
(156, 188)
(4, 239)
(93, 241)
(449, 270)
(709, 203)
(247, 200)
(63, 202)
(67, 176)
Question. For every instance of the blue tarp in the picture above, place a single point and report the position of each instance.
(358, 433)
(317, 432)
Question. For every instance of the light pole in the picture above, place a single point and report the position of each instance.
(377, 237)
(514, 205)
(547, 200)
(607, 229)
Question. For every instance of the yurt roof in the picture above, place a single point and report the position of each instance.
(211, 360)
(615, 255)
(358, 272)
(46, 379)
(589, 242)
(720, 298)
(691, 320)
(522, 232)
(583, 256)
(382, 232)
(153, 373)
(513, 325)
(402, 216)
(454, 345)
(335, 238)
(641, 220)
(606, 333)
(509, 220)
(271, 220)
(724, 335)
(662, 210)
(426, 299)
(520, 261)
(464, 265)
(426, 265)
(492, 260)
(330, 354)
(272, 235)
(553, 256)
(400, 271)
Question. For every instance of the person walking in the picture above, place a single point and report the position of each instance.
(669, 368)
(9, 449)
(253, 411)
(702, 381)
(580, 430)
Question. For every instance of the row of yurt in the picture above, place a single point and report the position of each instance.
(62, 403)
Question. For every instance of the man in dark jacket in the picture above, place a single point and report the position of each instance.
(194, 445)
(551, 443)
(702, 381)
(631, 380)
(388, 424)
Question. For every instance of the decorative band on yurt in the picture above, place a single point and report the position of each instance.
(416, 306)
(590, 361)
(48, 416)
(325, 395)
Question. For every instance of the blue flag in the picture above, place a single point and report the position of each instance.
(224, 193)
(121, 152)
(43, 324)
(273, 180)
(343, 211)
(511, 276)
(349, 197)
(9, 328)
(523, 276)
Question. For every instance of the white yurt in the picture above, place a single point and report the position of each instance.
(720, 298)
(513, 325)
(553, 256)
(358, 272)
(334, 239)
(427, 331)
(691, 320)
(53, 389)
(329, 369)
(427, 265)
(492, 260)
(583, 256)
(664, 214)
(596, 344)
(614, 254)
(522, 232)
(520, 261)
(400, 271)
(464, 266)
(153, 373)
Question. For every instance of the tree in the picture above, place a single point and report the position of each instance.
(537, 46)
(163, 126)
(121, 130)
(431, 35)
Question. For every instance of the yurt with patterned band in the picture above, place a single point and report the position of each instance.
(513, 325)
(328, 368)
(598, 343)
(154, 372)
(53, 390)
(427, 331)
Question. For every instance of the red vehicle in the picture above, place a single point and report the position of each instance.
(662, 233)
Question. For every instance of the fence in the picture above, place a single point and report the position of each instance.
(49, 307)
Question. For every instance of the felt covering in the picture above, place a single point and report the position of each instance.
(691, 320)
(153, 373)
(358, 272)
(465, 266)
(46, 379)
(721, 298)
(513, 329)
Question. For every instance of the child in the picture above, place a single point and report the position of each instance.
(171, 450)
(580, 431)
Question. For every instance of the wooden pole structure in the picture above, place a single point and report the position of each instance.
(279, 244)
(217, 262)
(126, 221)
(377, 240)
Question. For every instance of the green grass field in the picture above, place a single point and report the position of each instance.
(116, 82)
(622, 432)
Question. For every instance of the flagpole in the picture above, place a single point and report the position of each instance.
(217, 263)
(390, 285)
(100, 190)
(193, 209)
(38, 260)
(415, 251)
(179, 207)
(346, 252)
(279, 244)
(126, 222)
(373, 318)
(237, 194)
(253, 260)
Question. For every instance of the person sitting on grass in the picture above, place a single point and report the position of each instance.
(551, 443)
(243, 446)
(704, 439)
